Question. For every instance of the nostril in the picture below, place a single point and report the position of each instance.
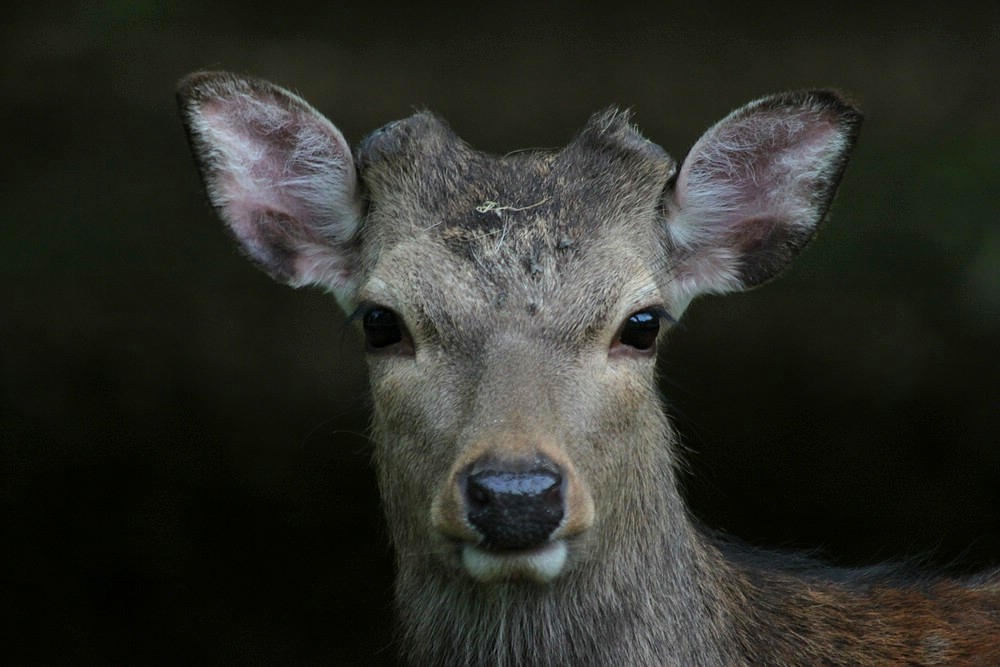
(478, 494)
(514, 510)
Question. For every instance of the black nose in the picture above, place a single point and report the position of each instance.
(514, 509)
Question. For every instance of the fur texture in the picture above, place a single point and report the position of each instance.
(511, 280)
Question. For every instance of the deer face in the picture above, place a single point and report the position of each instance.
(511, 306)
(511, 309)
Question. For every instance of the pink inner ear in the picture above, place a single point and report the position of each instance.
(248, 171)
(752, 191)
(278, 158)
(283, 178)
(765, 166)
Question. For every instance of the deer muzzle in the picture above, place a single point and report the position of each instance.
(511, 513)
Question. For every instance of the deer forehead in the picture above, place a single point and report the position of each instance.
(422, 174)
(561, 241)
(515, 275)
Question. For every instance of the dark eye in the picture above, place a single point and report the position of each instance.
(382, 328)
(640, 330)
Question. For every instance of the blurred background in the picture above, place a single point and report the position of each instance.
(184, 469)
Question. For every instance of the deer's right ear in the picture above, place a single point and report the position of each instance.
(279, 174)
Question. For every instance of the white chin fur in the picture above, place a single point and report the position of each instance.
(541, 565)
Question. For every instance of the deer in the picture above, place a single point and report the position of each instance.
(512, 308)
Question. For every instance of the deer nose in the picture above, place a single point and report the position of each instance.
(514, 509)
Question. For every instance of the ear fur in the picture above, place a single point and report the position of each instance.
(753, 190)
(279, 174)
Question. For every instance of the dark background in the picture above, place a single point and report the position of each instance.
(184, 468)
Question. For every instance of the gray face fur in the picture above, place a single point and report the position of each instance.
(511, 282)
(518, 237)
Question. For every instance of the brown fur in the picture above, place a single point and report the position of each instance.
(513, 277)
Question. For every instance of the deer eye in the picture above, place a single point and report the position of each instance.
(382, 328)
(639, 331)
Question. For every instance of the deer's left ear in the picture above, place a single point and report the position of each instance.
(753, 190)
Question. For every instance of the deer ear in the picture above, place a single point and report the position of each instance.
(753, 190)
(280, 176)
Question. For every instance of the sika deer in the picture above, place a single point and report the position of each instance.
(512, 308)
